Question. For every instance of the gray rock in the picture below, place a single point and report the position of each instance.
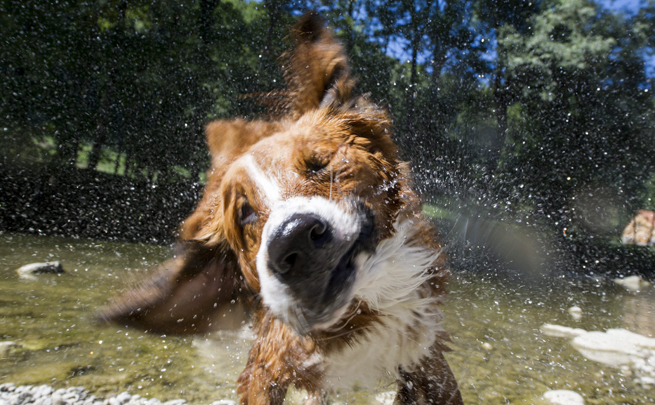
(123, 397)
(135, 399)
(45, 390)
(56, 398)
(46, 395)
(7, 387)
(30, 271)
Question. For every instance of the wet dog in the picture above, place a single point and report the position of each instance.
(308, 223)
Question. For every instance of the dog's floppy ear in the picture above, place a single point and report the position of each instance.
(229, 139)
(317, 70)
(195, 292)
(202, 288)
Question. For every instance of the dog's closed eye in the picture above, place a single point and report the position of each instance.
(315, 163)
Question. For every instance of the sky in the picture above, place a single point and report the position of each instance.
(398, 49)
(630, 6)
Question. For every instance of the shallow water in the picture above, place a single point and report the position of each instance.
(499, 355)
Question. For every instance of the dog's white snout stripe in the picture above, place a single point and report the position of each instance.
(267, 186)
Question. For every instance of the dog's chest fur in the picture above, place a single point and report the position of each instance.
(393, 283)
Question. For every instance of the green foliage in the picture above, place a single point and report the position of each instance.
(518, 107)
(580, 121)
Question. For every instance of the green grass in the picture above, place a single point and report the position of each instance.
(436, 212)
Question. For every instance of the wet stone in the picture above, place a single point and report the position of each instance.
(7, 387)
(563, 397)
(123, 397)
(30, 271)
(46, 395)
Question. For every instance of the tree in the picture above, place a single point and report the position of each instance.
(580, 121)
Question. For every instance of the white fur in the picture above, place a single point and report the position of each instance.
(267, 186)
(274, 293)
(388, 281)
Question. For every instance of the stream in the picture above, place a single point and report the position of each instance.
(499, 353)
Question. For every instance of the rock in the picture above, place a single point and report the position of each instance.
(487, 346)
(632, 283)
(123, 397)
(45, 395)
(646, 381)
(5, 347)
(575, 312)
(632, 353)
(563, 397)
(56, 398)
(561, 331)
(386, 398)
(30, 271)
(615, 347)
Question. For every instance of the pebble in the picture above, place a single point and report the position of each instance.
(561, 331)
(30, 271)
(46, 395)
(386, 398)
(563, 397)
(575, 312)
(632, 283)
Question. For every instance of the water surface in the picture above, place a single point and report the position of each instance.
(499, 355)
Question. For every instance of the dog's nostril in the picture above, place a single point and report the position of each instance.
(319, 235)
(289, 261)
(317, 231)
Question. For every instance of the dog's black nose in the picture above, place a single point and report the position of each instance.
(293, 248)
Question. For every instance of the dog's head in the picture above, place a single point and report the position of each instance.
(291, 206)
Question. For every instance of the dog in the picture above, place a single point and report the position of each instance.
(308, 225)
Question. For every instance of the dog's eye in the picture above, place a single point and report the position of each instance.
(316, 163)
(247, 214)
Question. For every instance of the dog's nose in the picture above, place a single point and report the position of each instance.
(293, 247)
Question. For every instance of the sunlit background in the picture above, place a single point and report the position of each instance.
(529, 126)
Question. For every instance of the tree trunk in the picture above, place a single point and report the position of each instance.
(206, 19)
(501, 102)
(412, 90)
(107, 99)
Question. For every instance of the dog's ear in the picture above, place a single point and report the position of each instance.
(202, 288)
(198, 291)
(317, 69)
(229, 139)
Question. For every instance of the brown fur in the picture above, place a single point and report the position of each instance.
(214, 276)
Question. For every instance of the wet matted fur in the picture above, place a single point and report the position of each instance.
(308, 224)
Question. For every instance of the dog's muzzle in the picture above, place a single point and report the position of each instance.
(312, 254)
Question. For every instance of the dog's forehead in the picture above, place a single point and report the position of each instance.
(262, 175)
(270, 163)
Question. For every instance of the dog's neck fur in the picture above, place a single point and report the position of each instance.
(393, 283)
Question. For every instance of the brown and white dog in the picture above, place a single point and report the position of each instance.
(309, 223)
